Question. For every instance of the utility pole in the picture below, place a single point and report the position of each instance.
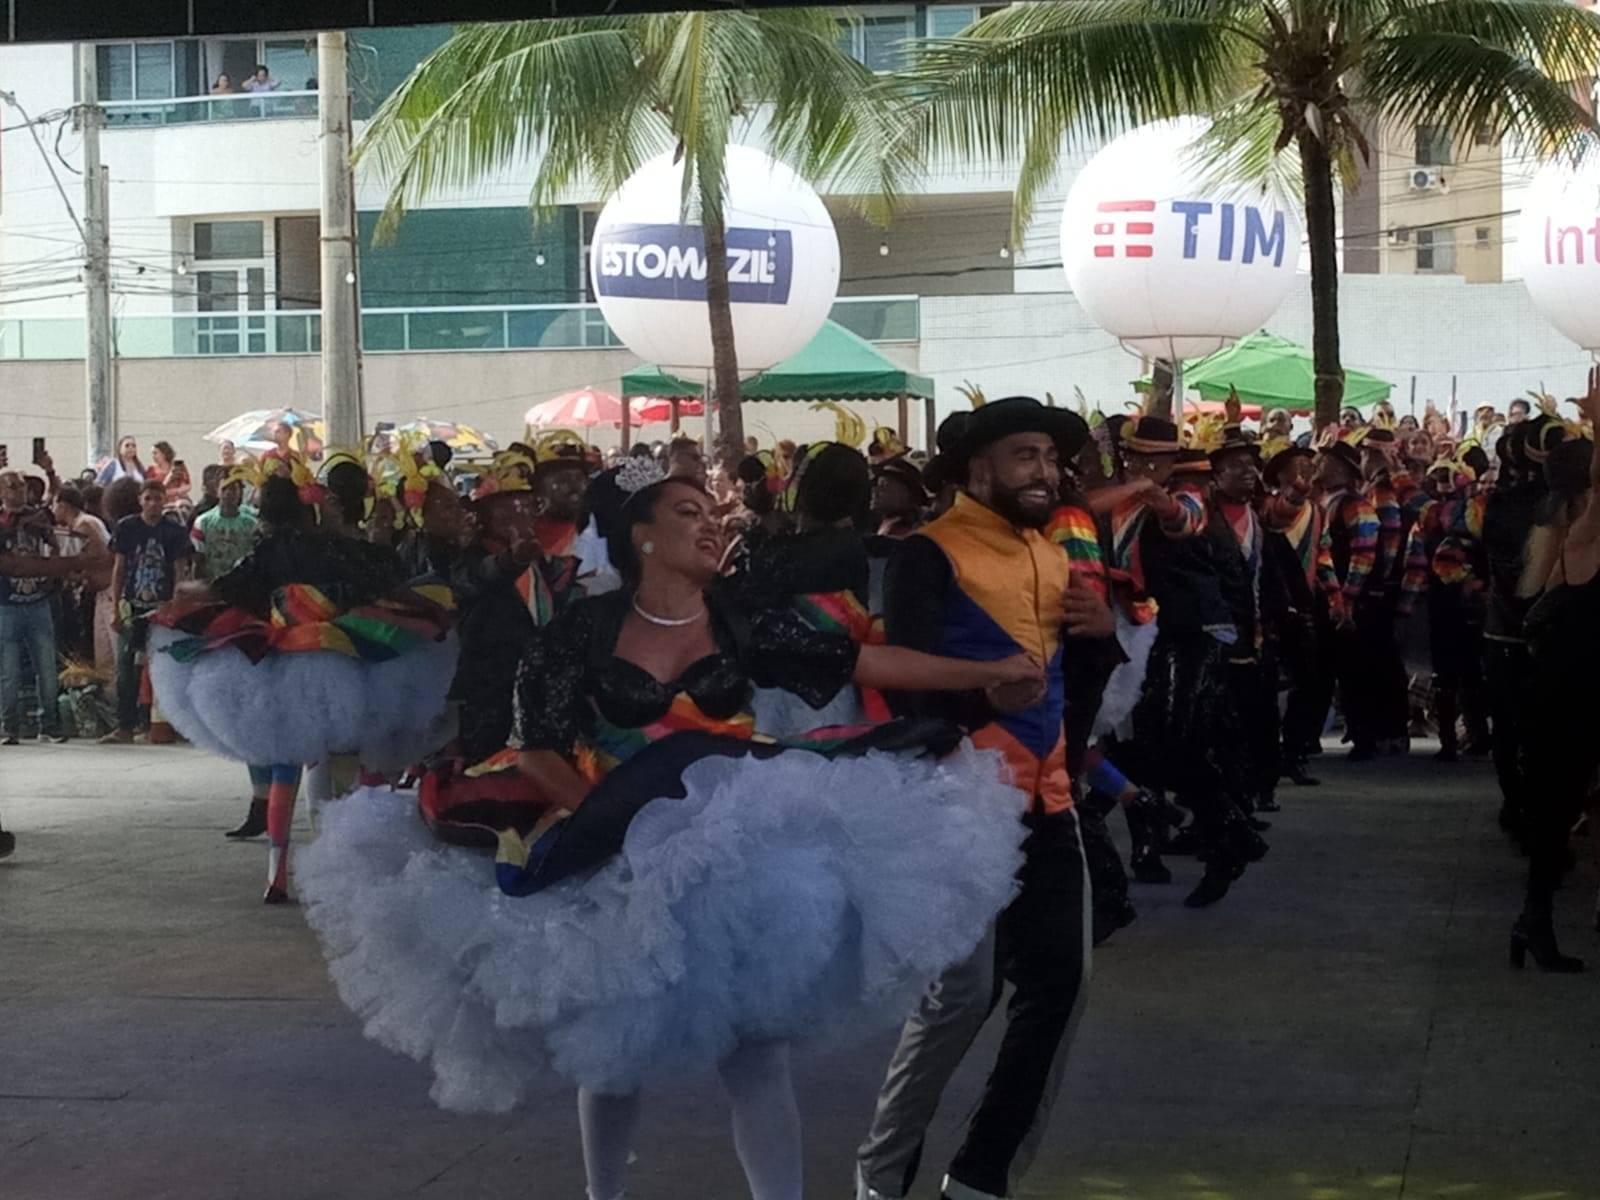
(341, 318)
(96, 263)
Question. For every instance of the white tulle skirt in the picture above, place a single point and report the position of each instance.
(1127, 681)
(794, 898)
(303, 706)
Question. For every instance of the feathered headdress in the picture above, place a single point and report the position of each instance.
(847, 426)
(888, 442)
(554, 444)
(508, 471)
(973, 392)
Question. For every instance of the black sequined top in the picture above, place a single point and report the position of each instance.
(347, 570)
(572, 691)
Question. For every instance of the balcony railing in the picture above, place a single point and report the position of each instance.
(389, 330)
(198, 110)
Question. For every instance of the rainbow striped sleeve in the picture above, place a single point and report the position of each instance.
(1075, 531)
(1191, 518)
(1416, 573)
(1361, 522)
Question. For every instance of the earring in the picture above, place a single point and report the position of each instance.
(647, 548)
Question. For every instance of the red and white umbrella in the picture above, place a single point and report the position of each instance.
(583, 408)
(650, 410)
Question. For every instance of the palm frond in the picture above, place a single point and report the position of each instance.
(1556, 36)
(1461, 83)
(1026, 80)
(829, 116)
(549, 92)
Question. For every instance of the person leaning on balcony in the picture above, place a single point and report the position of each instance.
(223, 85)
(260, 81)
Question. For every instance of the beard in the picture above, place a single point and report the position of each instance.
(1024, 513)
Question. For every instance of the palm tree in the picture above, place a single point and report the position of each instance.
(588, 100)
(1322, 75)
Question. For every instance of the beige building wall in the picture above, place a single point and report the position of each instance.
(937, 246)
(181, 399)
(1451, 227)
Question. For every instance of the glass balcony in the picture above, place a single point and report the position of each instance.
(388, 330)
(195, 110)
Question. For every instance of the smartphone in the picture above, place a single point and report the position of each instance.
(38, 452)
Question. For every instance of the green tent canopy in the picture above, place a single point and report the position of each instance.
(835, 365)
(1272, 372)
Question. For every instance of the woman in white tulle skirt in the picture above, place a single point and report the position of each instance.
(310, 647)
(697, 897)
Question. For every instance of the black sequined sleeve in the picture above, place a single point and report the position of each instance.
(549, 700)
(785, 651)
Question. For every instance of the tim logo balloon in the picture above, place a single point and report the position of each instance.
(1167, 263)
(649, 271)
(1559, 248)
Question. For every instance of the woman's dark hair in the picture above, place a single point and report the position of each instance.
(835, 485)
(121, 499)
(90, 495)
(165, 449)
(348, 483)
(278, 503)
(70, 496)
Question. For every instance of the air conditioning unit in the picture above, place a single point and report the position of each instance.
(1428, 179)
(1400, 236)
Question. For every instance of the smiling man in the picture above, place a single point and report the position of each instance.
(984, 582)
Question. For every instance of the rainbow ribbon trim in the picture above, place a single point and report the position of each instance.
(303, 619)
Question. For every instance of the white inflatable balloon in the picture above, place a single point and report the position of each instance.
(649, 271)
(1164, 263)
(1559, 248)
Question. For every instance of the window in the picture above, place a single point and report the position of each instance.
(227, 239)
(1436, 251)
(1433, 146)
(1484, 135)
(948, 20)
(292, 63)
(134, 71)
(878, 40)
(1483, 237)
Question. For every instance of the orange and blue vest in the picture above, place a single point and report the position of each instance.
(1005, 597)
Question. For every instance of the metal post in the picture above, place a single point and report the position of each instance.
(96, 265)
(903, 422)
(341, 324)
(1177, 391)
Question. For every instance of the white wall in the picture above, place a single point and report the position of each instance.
(181, 399)
(1487, 336)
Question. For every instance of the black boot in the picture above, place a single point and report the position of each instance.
(1294, 770)
(1535, 935)
(1214, 884)
(255, 824)
(1146, 823)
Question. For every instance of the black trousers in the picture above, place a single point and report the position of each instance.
(1040, 945)
(1508, 672)
(1373, 687)
(1306, 712)
(1253, 687)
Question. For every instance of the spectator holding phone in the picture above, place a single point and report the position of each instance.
(26, 622)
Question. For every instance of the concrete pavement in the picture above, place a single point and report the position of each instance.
(1344, 1025)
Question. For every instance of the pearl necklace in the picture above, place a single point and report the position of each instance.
(667, 622)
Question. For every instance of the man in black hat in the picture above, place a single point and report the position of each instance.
(1296, 560)
(983, 581)
(1392, 499)
(1444, 564)
(898, 497)
(1362, 650)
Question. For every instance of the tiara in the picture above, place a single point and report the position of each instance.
(637, 474)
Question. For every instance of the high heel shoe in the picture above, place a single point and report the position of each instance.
(1538, 938)
(255, 822)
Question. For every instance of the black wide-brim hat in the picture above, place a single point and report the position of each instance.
(905, 471)
(1273, 469)
(1345, 453)
(1151, 435)
(1234, 442)
(1020, 414)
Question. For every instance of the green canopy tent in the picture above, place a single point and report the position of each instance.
(1270, 372)
(835, 365)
